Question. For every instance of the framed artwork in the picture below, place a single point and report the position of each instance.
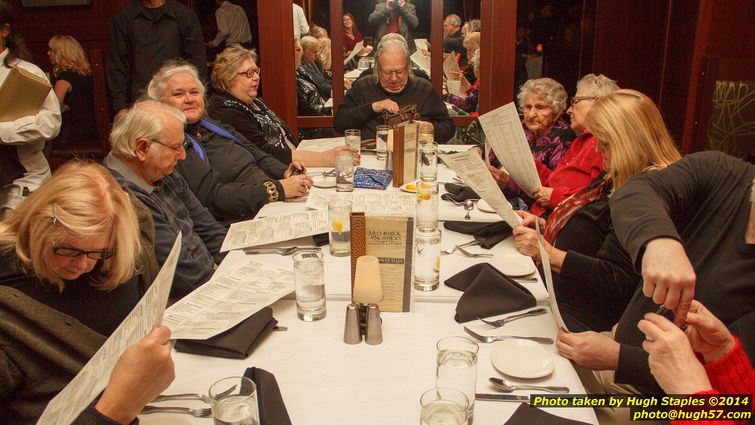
(54, 3)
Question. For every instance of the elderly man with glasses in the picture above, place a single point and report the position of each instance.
(392, 86)
(147, 142)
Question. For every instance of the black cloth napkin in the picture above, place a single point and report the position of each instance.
(487, 234)
(235, 343)
(321, 239)
(487, 292)
(528, 415)
(459, 192)
(272, 408)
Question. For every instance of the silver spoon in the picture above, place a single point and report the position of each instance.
(508, 387)
(469, 206)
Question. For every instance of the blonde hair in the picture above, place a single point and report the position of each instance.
(159, 82)
(81, 200)
(228, 64)
(472, 40)
(69, 55)
(549, 89)
(325, 54)
(145, 120)
(631, 124)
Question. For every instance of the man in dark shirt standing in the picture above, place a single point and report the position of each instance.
(143, 35)
(391, 87)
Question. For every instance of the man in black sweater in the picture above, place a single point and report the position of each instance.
(388, 90)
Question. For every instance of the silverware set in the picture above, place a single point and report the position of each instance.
(204, 412)
(291, 250)
(489, 339)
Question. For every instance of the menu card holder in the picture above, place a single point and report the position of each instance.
(405, 138)
(22, 94)
(390, 239)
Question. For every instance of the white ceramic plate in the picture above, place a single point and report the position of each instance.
(324, 182)
(521, 358)
(484, 206)
(513, 264)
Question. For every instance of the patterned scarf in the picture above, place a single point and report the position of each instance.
(571, 205)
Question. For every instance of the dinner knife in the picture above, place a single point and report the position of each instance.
(501, 397)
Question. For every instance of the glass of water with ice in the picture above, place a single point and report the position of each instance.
(309, 277)
(234, 401)
(443, 406)
(457, 367)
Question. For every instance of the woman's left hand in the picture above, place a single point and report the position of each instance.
(543, 195)
(672, 361)
(295, 168)
(526, 241)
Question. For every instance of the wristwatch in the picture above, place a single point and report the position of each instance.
(272, 191)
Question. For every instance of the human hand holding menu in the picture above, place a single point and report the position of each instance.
(504, 132)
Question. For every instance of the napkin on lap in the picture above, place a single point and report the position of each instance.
(488, 234)
(272, 408)
(235, 343)
(528, 415)
(487, 292)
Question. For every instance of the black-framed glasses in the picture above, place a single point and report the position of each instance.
(577, 99)
(397, 73)
(179, 148)
(64, 251)
(249, 73)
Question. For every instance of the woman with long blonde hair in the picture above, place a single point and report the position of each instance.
(73, 86)
(593, 276)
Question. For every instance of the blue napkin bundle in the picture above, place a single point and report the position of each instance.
(372, 179)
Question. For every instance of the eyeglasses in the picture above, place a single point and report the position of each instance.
(398, 73)
(180, 148)
(577, 99)
(63, 251)
(249, 73)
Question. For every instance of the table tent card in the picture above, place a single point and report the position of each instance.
(405, 153)
(390, 239)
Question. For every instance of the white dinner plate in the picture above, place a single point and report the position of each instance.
(484, 206)
(521, 358)
(513, 264)
(324, 182)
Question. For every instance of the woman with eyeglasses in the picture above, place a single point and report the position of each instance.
(74, 262)
(236, 78)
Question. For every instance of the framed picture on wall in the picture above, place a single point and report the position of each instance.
(53, 3)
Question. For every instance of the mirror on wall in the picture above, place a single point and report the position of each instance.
(461, 53)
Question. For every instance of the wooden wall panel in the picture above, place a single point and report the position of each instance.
(629, 43)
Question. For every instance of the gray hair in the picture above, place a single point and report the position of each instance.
(597, 85)
(307, 41)
(145, 120)
(392, 43)
(475, 25)
(453, 19)
(158, 83)
(548, 88)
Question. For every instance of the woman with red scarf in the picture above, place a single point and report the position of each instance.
(392, 16)
(593, 276)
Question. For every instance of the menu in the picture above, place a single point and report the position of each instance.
(405, 138)
(260, 231)
(389, 239)
(94, 376)
(503, 130)
(545, 259)
(372, 202)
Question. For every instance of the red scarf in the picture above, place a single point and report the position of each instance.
(571, 205)
(394, 22)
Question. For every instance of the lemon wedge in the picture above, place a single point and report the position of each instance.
(411, 187)
(437, 263)
(425, 185)
(337, 226)
(423, 196)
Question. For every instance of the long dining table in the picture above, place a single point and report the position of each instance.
(324, 381)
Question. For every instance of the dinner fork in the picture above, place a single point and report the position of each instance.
(195, 396)
(197, 413)
(451, 251)
(472, 254)
(282, 251)
(491, 338)
(501, 322)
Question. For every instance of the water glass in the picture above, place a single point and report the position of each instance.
(426, 260)
(354, 139)
(427, 161)
(457, 367)
(344, 172)
(443, 406)
(381, 141)
(364, 63)
(234, 401)
(339, 212)
(309, 277)
(426, 213)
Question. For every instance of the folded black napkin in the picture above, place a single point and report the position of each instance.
(528, 415)
(459, 192)
(487, 234)
(487, 292)
(235, 343)
(320, 239)
(272, 408)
